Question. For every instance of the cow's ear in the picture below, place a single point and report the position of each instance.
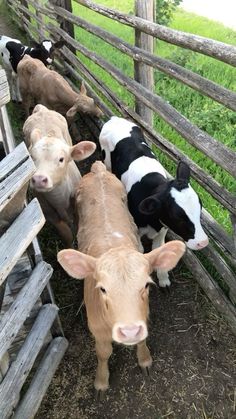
(35, 44)
(183, 172)
(76, 264)
(167, 256)
(71, 112)
(150, 205)
(82, 150)
(59, 44)
(83, 89)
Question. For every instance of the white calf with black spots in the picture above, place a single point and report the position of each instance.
(155, 202)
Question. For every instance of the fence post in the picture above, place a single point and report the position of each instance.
(143, 73)
(68, 27)
(40, 16)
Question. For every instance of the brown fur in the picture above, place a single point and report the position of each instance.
(48, 140)
(111, 262)
(38, 84)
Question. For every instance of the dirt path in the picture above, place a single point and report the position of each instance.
(194, 354)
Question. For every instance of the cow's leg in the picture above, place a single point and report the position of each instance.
(158, 241)
(10, 80)
(144, 357)
(18, 94)
(103, 351)
(26, 101)
(64, 231)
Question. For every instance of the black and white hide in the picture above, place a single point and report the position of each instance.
(154, 201)
(12, 51)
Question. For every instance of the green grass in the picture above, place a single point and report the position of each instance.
(210, 116)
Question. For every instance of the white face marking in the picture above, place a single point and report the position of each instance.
(138, 169)
(188, 200)
(47, 45)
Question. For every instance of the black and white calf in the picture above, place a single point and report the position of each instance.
(12, 51)
(154, 201)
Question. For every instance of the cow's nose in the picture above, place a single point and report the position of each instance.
(202, 243)
(130, 332)
(39, 181)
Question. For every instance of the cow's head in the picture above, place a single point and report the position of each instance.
(122, 279)
(45, 50)
(84, 104)
(178, 206)
(51, 157)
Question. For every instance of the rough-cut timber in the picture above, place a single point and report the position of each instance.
(43, 376)
(23, 304)
(11, 386)
(219, 153)
(204, 179)
(188, 77)
(215, 49)
(143, 73)
(19, 235)
(15, 171)
(4, 89)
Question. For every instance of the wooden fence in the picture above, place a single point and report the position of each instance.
(55, 19)
(31, 338)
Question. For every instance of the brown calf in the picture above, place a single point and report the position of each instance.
(57, 176)
(117, 275)
(38, 84)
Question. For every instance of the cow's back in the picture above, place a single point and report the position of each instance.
(105, 221)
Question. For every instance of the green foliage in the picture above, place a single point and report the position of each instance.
(165, 10)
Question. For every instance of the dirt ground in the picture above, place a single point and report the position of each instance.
(194, 353)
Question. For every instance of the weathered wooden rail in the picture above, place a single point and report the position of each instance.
(29, 323)
(221, 251)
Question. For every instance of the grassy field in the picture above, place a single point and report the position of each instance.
(207, 114)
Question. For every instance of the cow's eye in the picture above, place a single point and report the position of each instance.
(61, 159)
(103, 290)
(147, 285)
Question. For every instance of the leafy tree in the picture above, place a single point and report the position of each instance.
(165, 9)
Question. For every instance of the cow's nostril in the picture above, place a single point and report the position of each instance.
(203, 244)
(130, 332)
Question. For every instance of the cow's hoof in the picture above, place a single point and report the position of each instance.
(146, 371)
(99, 395)
(165, 290)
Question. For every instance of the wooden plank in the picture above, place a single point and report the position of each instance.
(215, 49)
(31, 401)
(14, 318)
(15, 171)
(143, 73)
(219, 235)
(4, 89)
(195, 81)
(15, 182)
(11, 385)
(214, 149)
(6, 130)
(18, 156)
(223, 269)
(210, 287)
(17, 238)
(227, 199)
